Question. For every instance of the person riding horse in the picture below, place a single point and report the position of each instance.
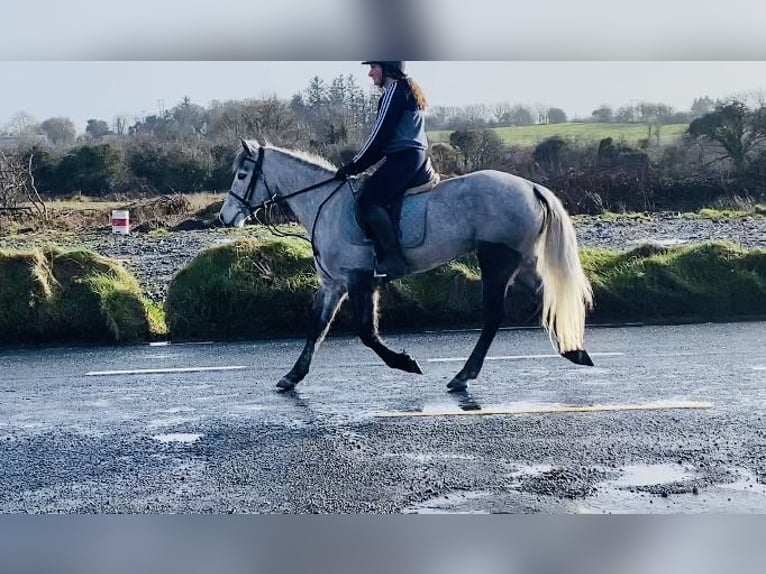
(399, 136)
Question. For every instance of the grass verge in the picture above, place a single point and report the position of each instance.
(255, 288)
(56, 295)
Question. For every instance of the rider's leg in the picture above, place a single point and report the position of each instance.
(391, 261)
(384, 187)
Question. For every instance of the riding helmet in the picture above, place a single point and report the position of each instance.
(390, 68)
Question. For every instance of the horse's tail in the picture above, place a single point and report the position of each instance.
(567, 293)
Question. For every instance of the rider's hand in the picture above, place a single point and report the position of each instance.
(343, 172)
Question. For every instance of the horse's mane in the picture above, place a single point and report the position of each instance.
(305, 157)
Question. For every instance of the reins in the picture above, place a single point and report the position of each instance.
(275, 200)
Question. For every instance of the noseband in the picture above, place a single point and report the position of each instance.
(256, 175)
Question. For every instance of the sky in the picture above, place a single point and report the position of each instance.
(94, 59)
(81, 90)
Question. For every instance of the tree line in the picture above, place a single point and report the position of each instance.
(189, 148)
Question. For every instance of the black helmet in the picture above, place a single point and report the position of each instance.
(390, 68)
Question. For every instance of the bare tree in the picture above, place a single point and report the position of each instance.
(120, 124)
(21, 124)
(18, 183)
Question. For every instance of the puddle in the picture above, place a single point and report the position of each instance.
(453, 503)
(744, 495)
(99, 403)
(182, 437)
(170, 421)
(530, 470)
(746, 482)
(250, 408)
(651, 474)
(431, 457)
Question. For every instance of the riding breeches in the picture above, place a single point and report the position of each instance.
(391, 179)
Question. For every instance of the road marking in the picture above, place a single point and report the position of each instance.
(513, 357)
(759, 368)
(164, 371)
(189, 343)
(543, 409)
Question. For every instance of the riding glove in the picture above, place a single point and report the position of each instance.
(345, 170)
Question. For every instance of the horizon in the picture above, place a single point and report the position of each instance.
(105, 90)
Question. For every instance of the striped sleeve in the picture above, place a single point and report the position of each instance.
(389, 114)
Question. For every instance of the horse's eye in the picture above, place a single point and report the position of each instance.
(241, 175)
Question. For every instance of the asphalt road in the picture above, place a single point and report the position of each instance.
(73, 439)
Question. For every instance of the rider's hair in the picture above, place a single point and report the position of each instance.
(415, 89)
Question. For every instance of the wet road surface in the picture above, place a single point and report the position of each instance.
(200, 427)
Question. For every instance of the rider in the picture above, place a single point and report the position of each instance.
(399, 136)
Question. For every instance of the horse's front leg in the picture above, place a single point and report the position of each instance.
(327, 301)
(364, 300)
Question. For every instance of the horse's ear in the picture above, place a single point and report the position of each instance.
(245, 145)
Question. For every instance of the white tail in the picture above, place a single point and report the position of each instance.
(567, 293)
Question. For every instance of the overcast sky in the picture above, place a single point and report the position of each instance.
(102, 90)
(96, 59)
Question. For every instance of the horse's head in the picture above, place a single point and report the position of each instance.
(248, 191)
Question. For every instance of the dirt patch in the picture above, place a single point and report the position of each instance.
(172, 212)
(161, 212)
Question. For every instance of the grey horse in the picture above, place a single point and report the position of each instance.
(516, 227)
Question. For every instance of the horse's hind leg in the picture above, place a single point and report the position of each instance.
(326, 304)
(364, 301)
(498, 264)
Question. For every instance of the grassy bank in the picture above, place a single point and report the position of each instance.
(705, 282)
(255, 288)
(55, 295)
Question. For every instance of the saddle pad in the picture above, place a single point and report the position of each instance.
(411, 223)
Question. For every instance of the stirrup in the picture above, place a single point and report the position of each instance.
(378, 273)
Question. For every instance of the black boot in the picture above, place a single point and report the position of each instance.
(390, 259)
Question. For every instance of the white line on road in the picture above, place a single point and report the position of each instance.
(164, 371)
(548, 409)
(513, 357)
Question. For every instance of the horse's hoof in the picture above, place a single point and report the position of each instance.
(412, 365)
(457, 385)
(286, 384)
(406, 363)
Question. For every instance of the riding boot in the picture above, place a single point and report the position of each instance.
(390, 261)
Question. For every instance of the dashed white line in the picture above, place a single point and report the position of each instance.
(513, 357)
(164, 371)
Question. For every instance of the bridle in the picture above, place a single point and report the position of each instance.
(274, 199)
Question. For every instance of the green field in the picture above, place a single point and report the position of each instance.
(576, 133)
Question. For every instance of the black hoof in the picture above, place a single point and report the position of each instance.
(286, 384)
(413, 366)
(457, 385)
(578, 357)
(406, 363)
